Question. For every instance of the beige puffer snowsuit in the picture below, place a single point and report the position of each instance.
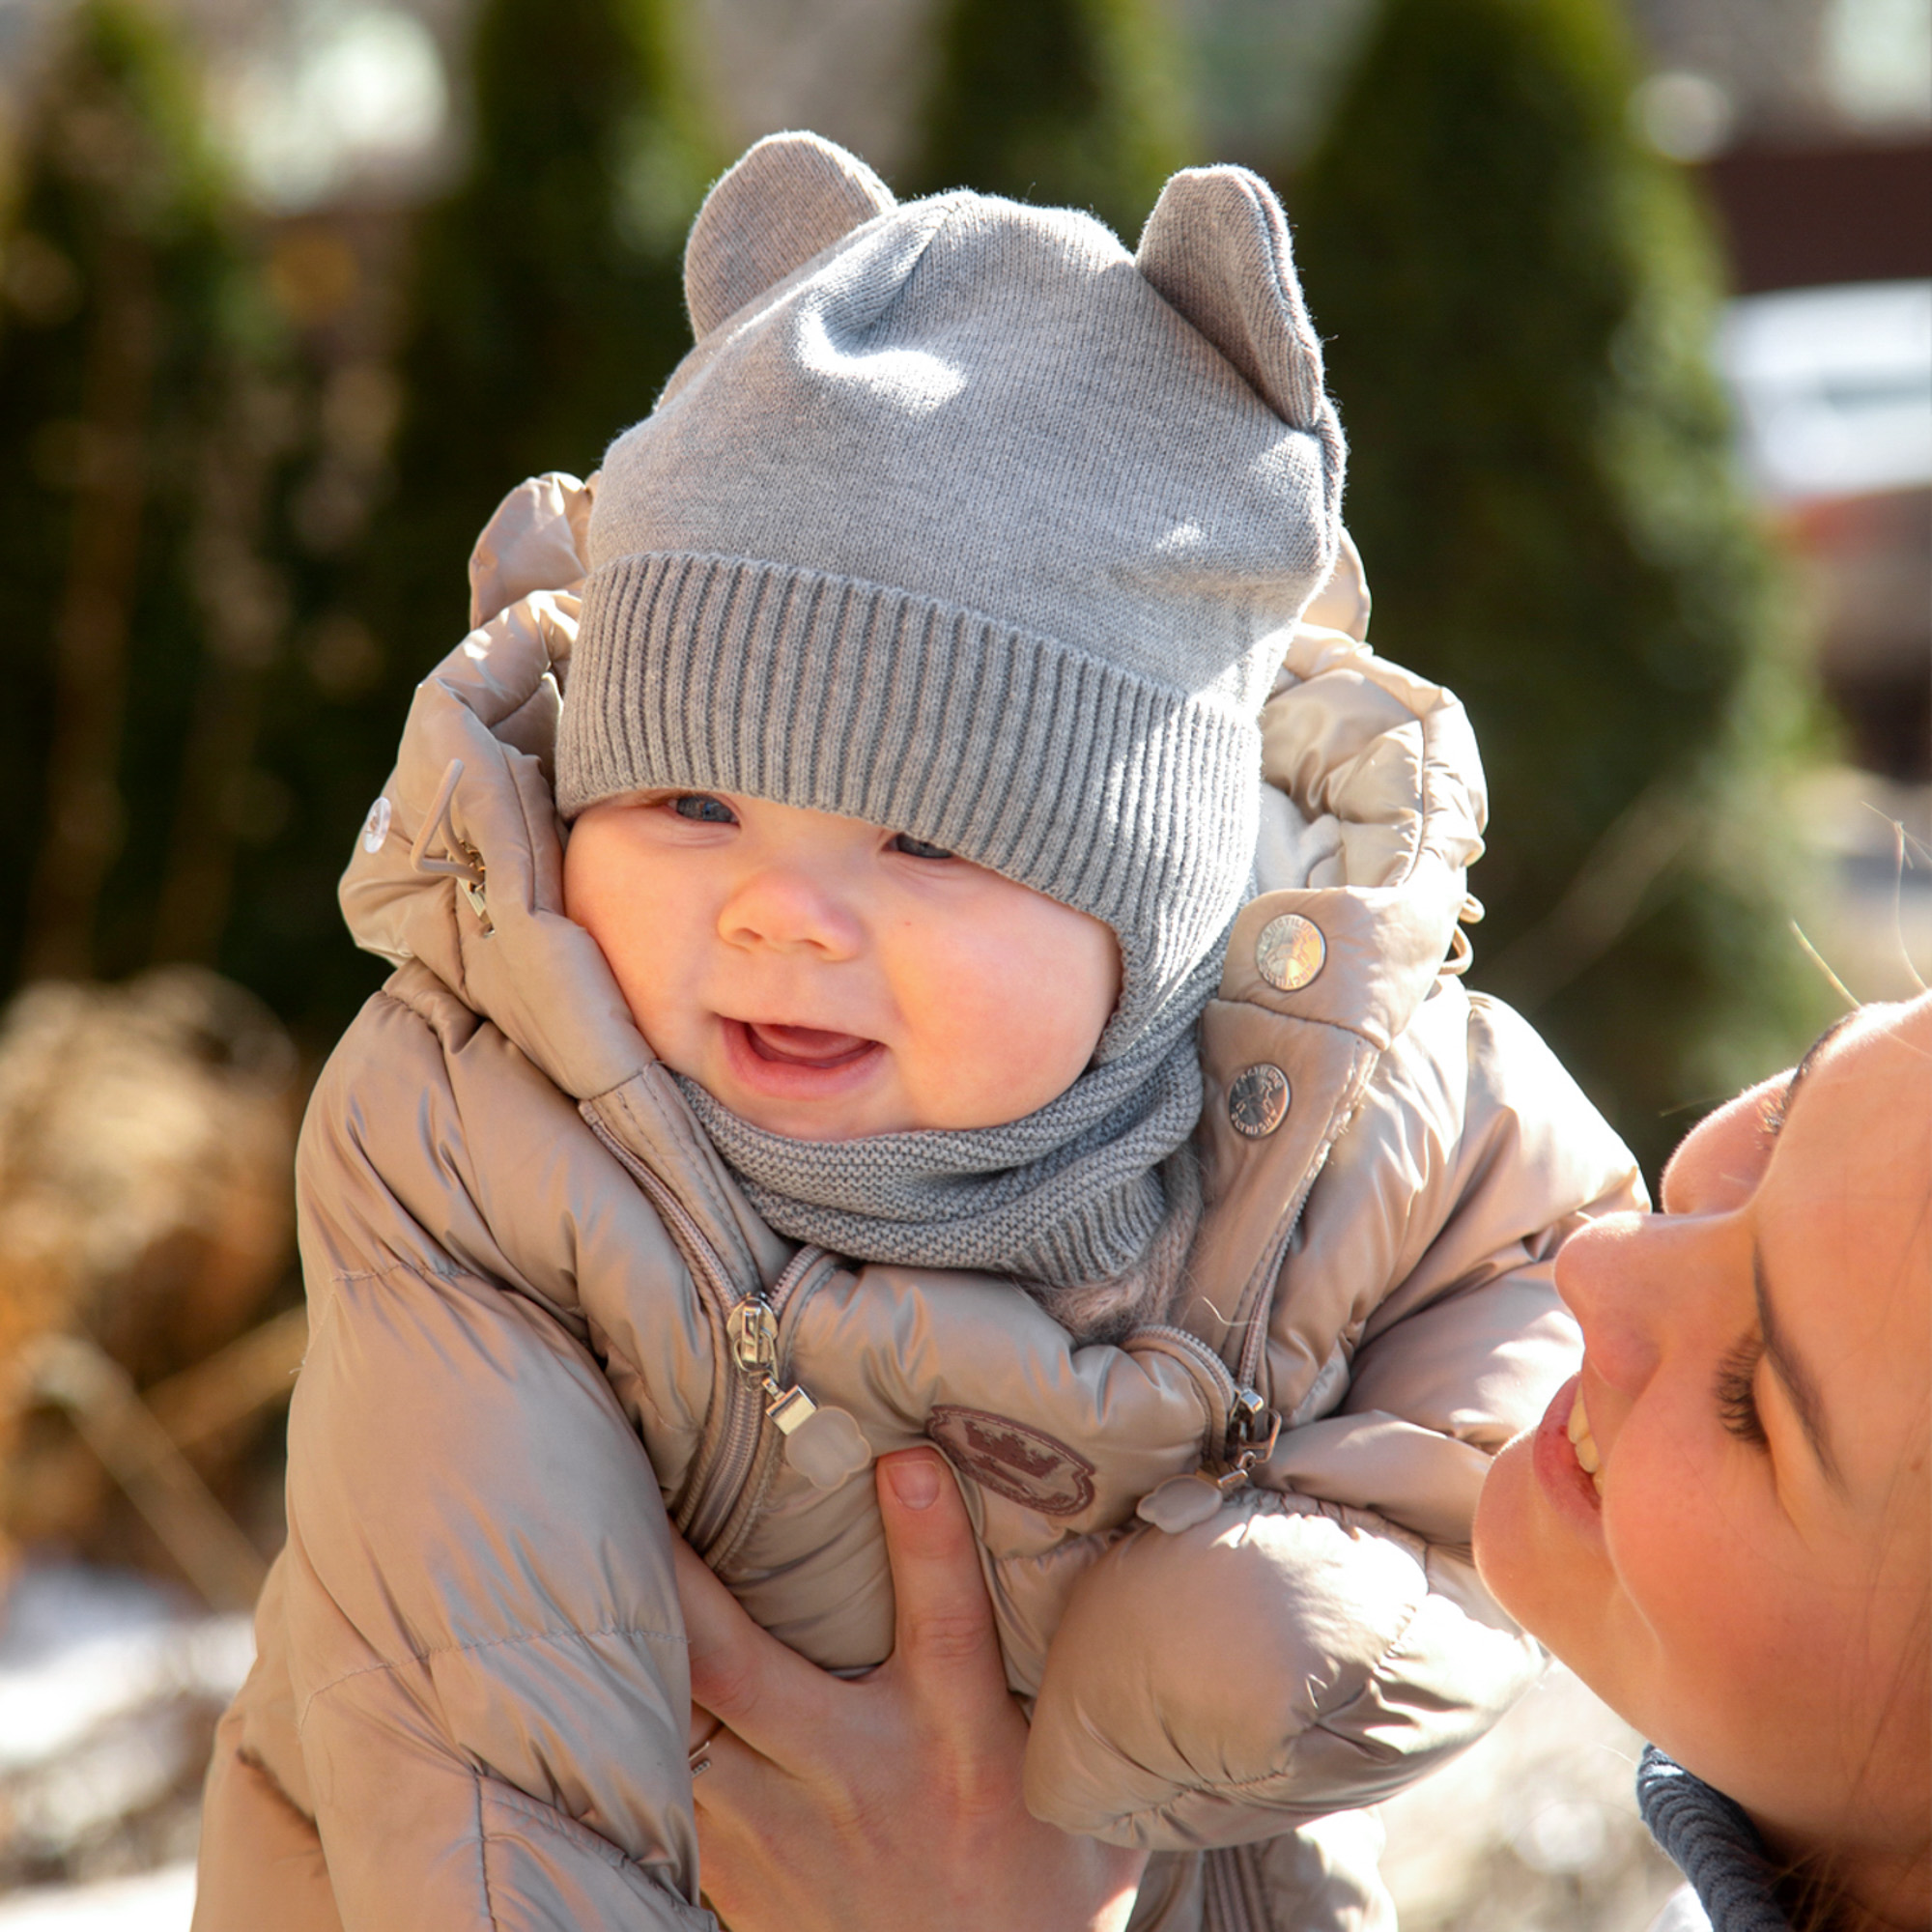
(524, 1261)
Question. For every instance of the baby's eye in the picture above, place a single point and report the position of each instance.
(703, 808)
(918, 848)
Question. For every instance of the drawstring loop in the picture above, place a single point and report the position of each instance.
(461, 862)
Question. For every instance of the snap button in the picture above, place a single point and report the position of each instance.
(376, 826)
(1290, 952)
(1258, 1100)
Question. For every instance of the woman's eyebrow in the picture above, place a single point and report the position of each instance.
(1799, 1383)
(1780, 1110)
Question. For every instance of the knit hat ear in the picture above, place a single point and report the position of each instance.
(1216, 247)
(787, 198)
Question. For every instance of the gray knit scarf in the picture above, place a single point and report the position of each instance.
(1713, 1842)
(1067, 1200)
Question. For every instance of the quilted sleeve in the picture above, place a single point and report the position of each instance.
(483, 1633)
(1324, 1642)
(1285, 1659)
(1429, 1246)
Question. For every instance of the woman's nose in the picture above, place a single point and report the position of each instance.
(793, 908)
(1616, 1282)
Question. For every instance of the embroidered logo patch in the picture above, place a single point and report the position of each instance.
(1023, 1464)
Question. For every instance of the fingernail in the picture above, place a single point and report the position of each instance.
(914, 1480)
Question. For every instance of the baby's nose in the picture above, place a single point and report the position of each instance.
(793, 907)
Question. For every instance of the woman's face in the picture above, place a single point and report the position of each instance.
(1745, 1577)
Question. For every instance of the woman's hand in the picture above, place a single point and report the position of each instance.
(868, 1807)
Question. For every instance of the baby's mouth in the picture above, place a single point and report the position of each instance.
(805, 1046)
(1588, 1455)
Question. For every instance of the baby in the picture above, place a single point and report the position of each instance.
(999, 988)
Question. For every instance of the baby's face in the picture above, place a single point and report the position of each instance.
(825, 979)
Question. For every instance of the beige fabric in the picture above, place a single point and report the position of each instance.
(471, 1676)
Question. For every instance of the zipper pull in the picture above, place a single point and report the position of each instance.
(1253, 1431)
(1182, 1501)
(754, 1329)
(827, 1454)
(1249, 1418)
(462, 862)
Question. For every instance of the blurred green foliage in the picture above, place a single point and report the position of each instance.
(1519, 303)
(1064, 102)
(225, 556)
(543, 309)
(130, 348)
(546, 304)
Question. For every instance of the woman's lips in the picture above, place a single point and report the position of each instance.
(1564, 1479)
(794, 1062)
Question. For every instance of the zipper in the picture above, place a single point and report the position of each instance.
(758, 1345)
(1205, 1363)
(745, 1332)
(1253, 1428)
(1244, 1428)
(758, 1397)
(754, 1329)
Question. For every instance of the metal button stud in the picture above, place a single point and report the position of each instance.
(1258, 1100)
(1290, 952)
(376, 826)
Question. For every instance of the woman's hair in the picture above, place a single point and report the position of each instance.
(1814, 1895)
(1816, 1890)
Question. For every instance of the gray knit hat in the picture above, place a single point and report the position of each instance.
(964, 522)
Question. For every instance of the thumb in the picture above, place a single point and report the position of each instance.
(945, 1642)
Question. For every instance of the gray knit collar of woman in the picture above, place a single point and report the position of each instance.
(1068, 1201)
(1713, 1842)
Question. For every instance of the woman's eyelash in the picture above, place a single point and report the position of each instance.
(1770, 1112)
(1736, 1392)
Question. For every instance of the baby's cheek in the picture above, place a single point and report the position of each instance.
(1007, 993)
(603, 893)
(597, 868)
(987, 1048)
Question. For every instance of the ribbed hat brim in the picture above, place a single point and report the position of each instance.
(1138, 803)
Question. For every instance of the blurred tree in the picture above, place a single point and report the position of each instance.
(135, 611)
(1066, 103)
(541, 308)
(1519, 302)
(548, 301)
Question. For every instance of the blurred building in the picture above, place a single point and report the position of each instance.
(1811, 121)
